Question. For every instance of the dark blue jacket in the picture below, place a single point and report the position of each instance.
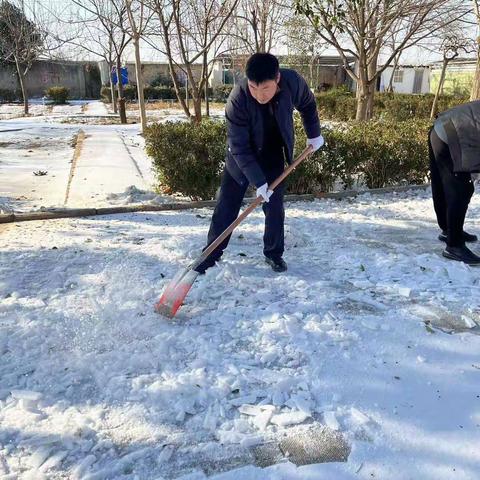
(245, 125)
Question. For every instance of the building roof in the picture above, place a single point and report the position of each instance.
(458, 62)
(326, 60)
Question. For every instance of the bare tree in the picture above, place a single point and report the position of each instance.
(112, 18)
(21, 42)
(362, 28)
(304, 48)
(260, 24)
(191, 31)
(138, 17)
(92, 38)
(453, 43)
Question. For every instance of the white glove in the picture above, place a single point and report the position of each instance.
(316, 142)
(264, 192)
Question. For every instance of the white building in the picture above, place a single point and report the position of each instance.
(406, 79)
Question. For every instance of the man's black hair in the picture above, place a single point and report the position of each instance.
(262, 67)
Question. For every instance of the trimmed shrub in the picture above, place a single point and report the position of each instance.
(340, 104)
(106, 94)
(58, 95)
(159, 93)
(188, 158)
(375, 154)
(162, 80)
(221, 92)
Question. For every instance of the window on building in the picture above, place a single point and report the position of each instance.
(398, 76)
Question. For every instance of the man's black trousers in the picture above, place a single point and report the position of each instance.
(451, 191)
(228, 207)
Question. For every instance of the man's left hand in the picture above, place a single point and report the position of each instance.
(316, 142)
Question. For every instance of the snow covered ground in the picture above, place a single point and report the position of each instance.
(36, 155)
(111, 161)
(356, 338)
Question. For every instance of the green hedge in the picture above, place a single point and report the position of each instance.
(58, 95)
(189, 158)
(217, 94)
(221, 92)
(341, 105)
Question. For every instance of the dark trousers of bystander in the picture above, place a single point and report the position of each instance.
(451, 191)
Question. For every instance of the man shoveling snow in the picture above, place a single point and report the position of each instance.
(260, 138)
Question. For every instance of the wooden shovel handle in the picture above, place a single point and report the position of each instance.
(250, 208)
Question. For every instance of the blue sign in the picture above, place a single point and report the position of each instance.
(124, 75)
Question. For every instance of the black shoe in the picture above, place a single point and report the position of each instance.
(461, 254)
(277, 264)
(467, 237)
(205, 265)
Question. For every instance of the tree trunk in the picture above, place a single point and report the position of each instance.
(23, 87)
(207, 102)
(140, 84)
(197, 108)
(371, 85)
(362, 92)
(112, 89)
(121, 98)
(439, 89)
(112, 93)
(362, 104)
(475, 94)
(370, 99)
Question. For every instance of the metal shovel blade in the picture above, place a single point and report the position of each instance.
(175, 292)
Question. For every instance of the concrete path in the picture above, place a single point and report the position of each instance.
(40, 166)
(104, 166)
(96, 108)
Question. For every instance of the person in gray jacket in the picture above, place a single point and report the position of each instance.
(454, 148)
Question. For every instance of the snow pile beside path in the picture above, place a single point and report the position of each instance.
(134, 195)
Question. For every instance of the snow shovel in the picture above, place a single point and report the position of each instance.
(176, 291)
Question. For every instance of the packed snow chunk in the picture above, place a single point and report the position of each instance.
(289, 418)
(302, 402)
(254, 410)
(237, 402)
(330, 420)
(229, 436)
(262, 420)
(249, 441)
(292, 324)
(363, 284)
(54, 461)
(262, 414)
(165, 454)
(26, 395)
(358, 418)
(404, 291)
(80, 470)
(118, 466)
(39, 456)
(469, 323)
(459, 273)
(211, 418)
